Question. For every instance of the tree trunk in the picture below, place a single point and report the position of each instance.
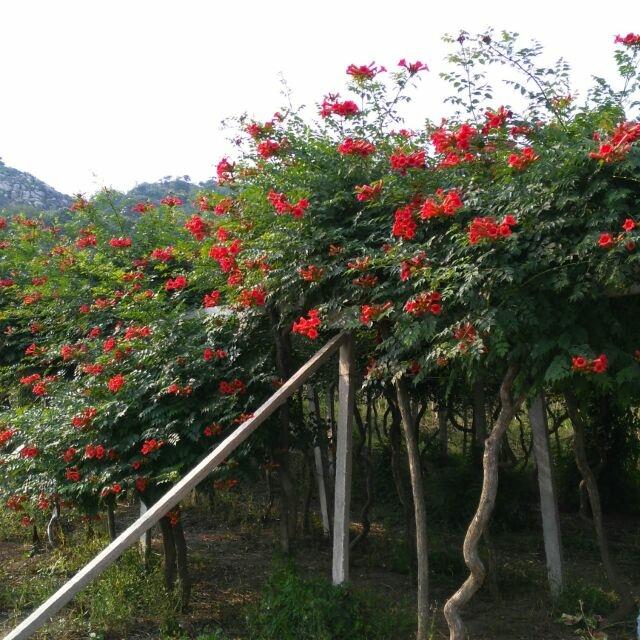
(420, 512)
(479, 418)
(443, 435)
(111, 522)
(362, 455)
(477, 527)
(626, 599)
(548, 499)
(399, 480)
(169, 548)
(308, 493)
(288, 497)
(145, 540)
(182, 564)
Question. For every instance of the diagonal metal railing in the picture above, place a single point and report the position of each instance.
(130, 536)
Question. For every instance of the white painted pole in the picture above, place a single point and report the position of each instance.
(548, 499)
(342, 496)
(130, 536)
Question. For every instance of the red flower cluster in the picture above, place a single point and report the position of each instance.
(226, 256)
(452, 141)
(92, 369)
(133, 332)
(85, 418)
(608, 240)
(404, 224)
(87, 239)
(95, 452)
(72, 474)
(210, 354)
(351, 147)
(29, 451)
(401, 161)
(268, 148)
(371, 312)
(252, 297)
(120, 243)
(197, 227)
(282, 205)
(445, 204)
(630, 40)
(366, 281)
(311, 273)
(176, 390)
(6, 435)
(489, 229)
(413, 67)
(141, 484)
(69, 455)
(407, 267)
(224, 171)
(213, 430)
(366, 192)
(6, 283)
(211, 299)
(522, 160)
(617, 147)
(115, 383)
(331, 106)
(597, 365)
(466, 335)
(143, 207)
(149, 446)
(175, 284)
(224, 206)
(495, 119)
(423, 303)
(363, 71)
(308, 326)
(232, 388)
(163, 255)
(171, 201)
(257, 130)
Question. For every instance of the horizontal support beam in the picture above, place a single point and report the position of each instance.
(181, 489)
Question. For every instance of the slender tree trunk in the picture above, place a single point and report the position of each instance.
(589, 478)
(479, 418)
(399, 480)
(548, 499)
(477, 527)
(420, 512)
(288, 497)
(308, 493)
(182, 565)
(361, 454)
(111, 522)
(54, 524)
(321, 464)
(169, 548)
(443, 435)
(145, 540)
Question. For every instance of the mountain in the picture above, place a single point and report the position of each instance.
(22, 191)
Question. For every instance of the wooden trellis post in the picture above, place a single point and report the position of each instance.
(342, 496)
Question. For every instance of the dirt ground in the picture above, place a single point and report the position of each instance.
(232, 556)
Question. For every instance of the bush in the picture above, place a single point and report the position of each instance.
(292, 607)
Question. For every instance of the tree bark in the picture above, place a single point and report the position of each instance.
(169, 548)
(548, 499)
(486, 504)
(182, 565)
(591, 484)
(111, 522)
(420, 512)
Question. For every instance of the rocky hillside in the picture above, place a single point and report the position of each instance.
(21, 190)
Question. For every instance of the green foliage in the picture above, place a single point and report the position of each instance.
(292, 607)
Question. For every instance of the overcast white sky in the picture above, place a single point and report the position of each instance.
(98, 93)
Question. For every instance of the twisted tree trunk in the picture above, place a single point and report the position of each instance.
(478, 525)
(419, 506)
(591, 484)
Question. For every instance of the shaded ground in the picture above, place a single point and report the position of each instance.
(232, 554)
